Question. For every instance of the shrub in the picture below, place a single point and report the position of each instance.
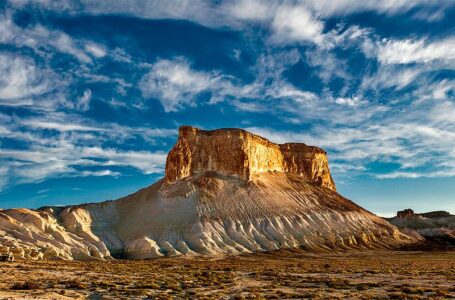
(27, 285)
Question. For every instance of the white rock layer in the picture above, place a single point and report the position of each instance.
(207, 214)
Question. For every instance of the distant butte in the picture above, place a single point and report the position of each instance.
(435, 229)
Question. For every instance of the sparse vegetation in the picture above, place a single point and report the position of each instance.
(290, 274)
(27, 285)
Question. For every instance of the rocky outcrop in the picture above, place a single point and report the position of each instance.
(437, 214)
(243, 154)
(30, 234)
(437, 227)
(225, 192)
(406, 213)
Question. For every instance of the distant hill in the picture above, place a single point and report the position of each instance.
(437, 228)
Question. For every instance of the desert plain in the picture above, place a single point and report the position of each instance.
(282, 274)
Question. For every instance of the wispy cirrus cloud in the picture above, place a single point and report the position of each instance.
(287, 21)
(423, 8)
(29, 77)
(64, 156)
(39, 162)
(199, 10)
(41, 38)
(409, 51)
(63, 145)
(175, 84)
(21, 80)
(61, 127)
(62, 123)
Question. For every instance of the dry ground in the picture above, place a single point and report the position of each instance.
(285, 274)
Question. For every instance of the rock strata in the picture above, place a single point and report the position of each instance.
(31, 234)
(243, 154)
(225, 192)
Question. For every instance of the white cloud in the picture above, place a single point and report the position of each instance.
(391, 76)
(437, 91)
(32, 82)
(83, 103)
(417, 51)
(405, 63)
(48, 4)
(64, 122)
(147, 162)
(430, 174)
(288, 22)
(346, 7)
(20, 80)
(41, 162)
(96, 50)
(250, 10)
(41, 39)
(60, 144)
(64, 43)
(99, 173)
(296, 24)
(175, 84)
(199, 11)
(62, 127)
(349, 101)
(226, 13)
(326, 64)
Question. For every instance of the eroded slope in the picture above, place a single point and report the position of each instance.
(225, 192)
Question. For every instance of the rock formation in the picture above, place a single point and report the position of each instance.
(406, 213)
(243, 154)
(33, 234)
(436, 228)
(225, 191)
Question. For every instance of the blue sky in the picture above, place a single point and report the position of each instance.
(92, 92)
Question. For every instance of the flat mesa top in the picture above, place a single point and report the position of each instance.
(237, 152)
(186, 129)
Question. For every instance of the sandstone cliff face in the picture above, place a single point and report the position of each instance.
(243, 154)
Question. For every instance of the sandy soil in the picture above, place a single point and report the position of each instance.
(284, 274)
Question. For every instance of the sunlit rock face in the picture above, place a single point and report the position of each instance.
(243, 154)
(30, 234)
(225, 191)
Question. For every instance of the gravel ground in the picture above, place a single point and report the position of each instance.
(284, 274)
